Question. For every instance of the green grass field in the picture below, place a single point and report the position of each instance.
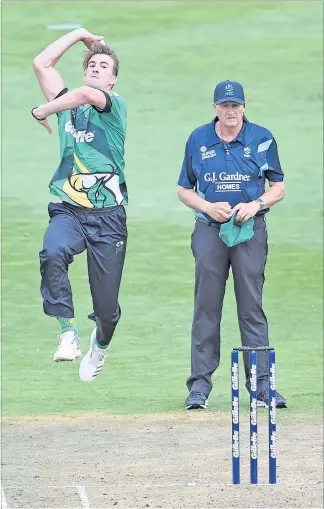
(172, 55)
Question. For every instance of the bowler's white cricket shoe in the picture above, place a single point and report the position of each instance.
(93, 361)
(68, 347)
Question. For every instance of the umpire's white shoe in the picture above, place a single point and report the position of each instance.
(93, 361)
(68, 347)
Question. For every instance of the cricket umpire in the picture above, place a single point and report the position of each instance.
(223, 178)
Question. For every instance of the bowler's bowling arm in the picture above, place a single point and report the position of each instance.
(48, 77)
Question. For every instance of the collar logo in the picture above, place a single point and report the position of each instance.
(203, 149)
(247, 152)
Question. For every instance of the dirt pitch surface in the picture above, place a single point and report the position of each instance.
(178, 461)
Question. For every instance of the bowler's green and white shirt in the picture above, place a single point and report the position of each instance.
(91, 171)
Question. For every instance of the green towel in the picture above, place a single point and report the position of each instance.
(234, 232)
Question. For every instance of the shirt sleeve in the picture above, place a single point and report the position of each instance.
(274, 172)
(115, 105)
(107, 108)
(115, 113)
(187, 177)
(63, 91)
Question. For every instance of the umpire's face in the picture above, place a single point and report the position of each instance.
(230, 114)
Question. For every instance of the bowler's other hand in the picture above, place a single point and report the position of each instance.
(45, 123)
(245, 211)
(219, 211)
(37, 114)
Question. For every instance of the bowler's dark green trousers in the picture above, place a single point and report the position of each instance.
(103, 234)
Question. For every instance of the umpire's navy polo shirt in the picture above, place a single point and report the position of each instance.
(234, 171)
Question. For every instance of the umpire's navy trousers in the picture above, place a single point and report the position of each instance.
(72, 230)
(213, 260)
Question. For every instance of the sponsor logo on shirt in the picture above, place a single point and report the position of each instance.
(247, 152)
(227, 177)
(207, 154)
(79, 136)
(227, 181)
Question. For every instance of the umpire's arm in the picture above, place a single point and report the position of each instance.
(273, 195)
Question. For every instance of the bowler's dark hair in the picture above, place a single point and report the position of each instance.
(101, 49)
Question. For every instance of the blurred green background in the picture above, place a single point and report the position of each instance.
(172, 55)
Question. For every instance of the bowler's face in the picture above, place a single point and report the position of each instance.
(230, 114)
(100, 72)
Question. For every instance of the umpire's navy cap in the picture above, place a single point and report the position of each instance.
(229, 91)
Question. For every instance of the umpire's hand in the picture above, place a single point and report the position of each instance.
(220, 211)
(245, 211)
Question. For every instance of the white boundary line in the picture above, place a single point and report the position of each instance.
(82, 489)
(4, 504)
(84, 497)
